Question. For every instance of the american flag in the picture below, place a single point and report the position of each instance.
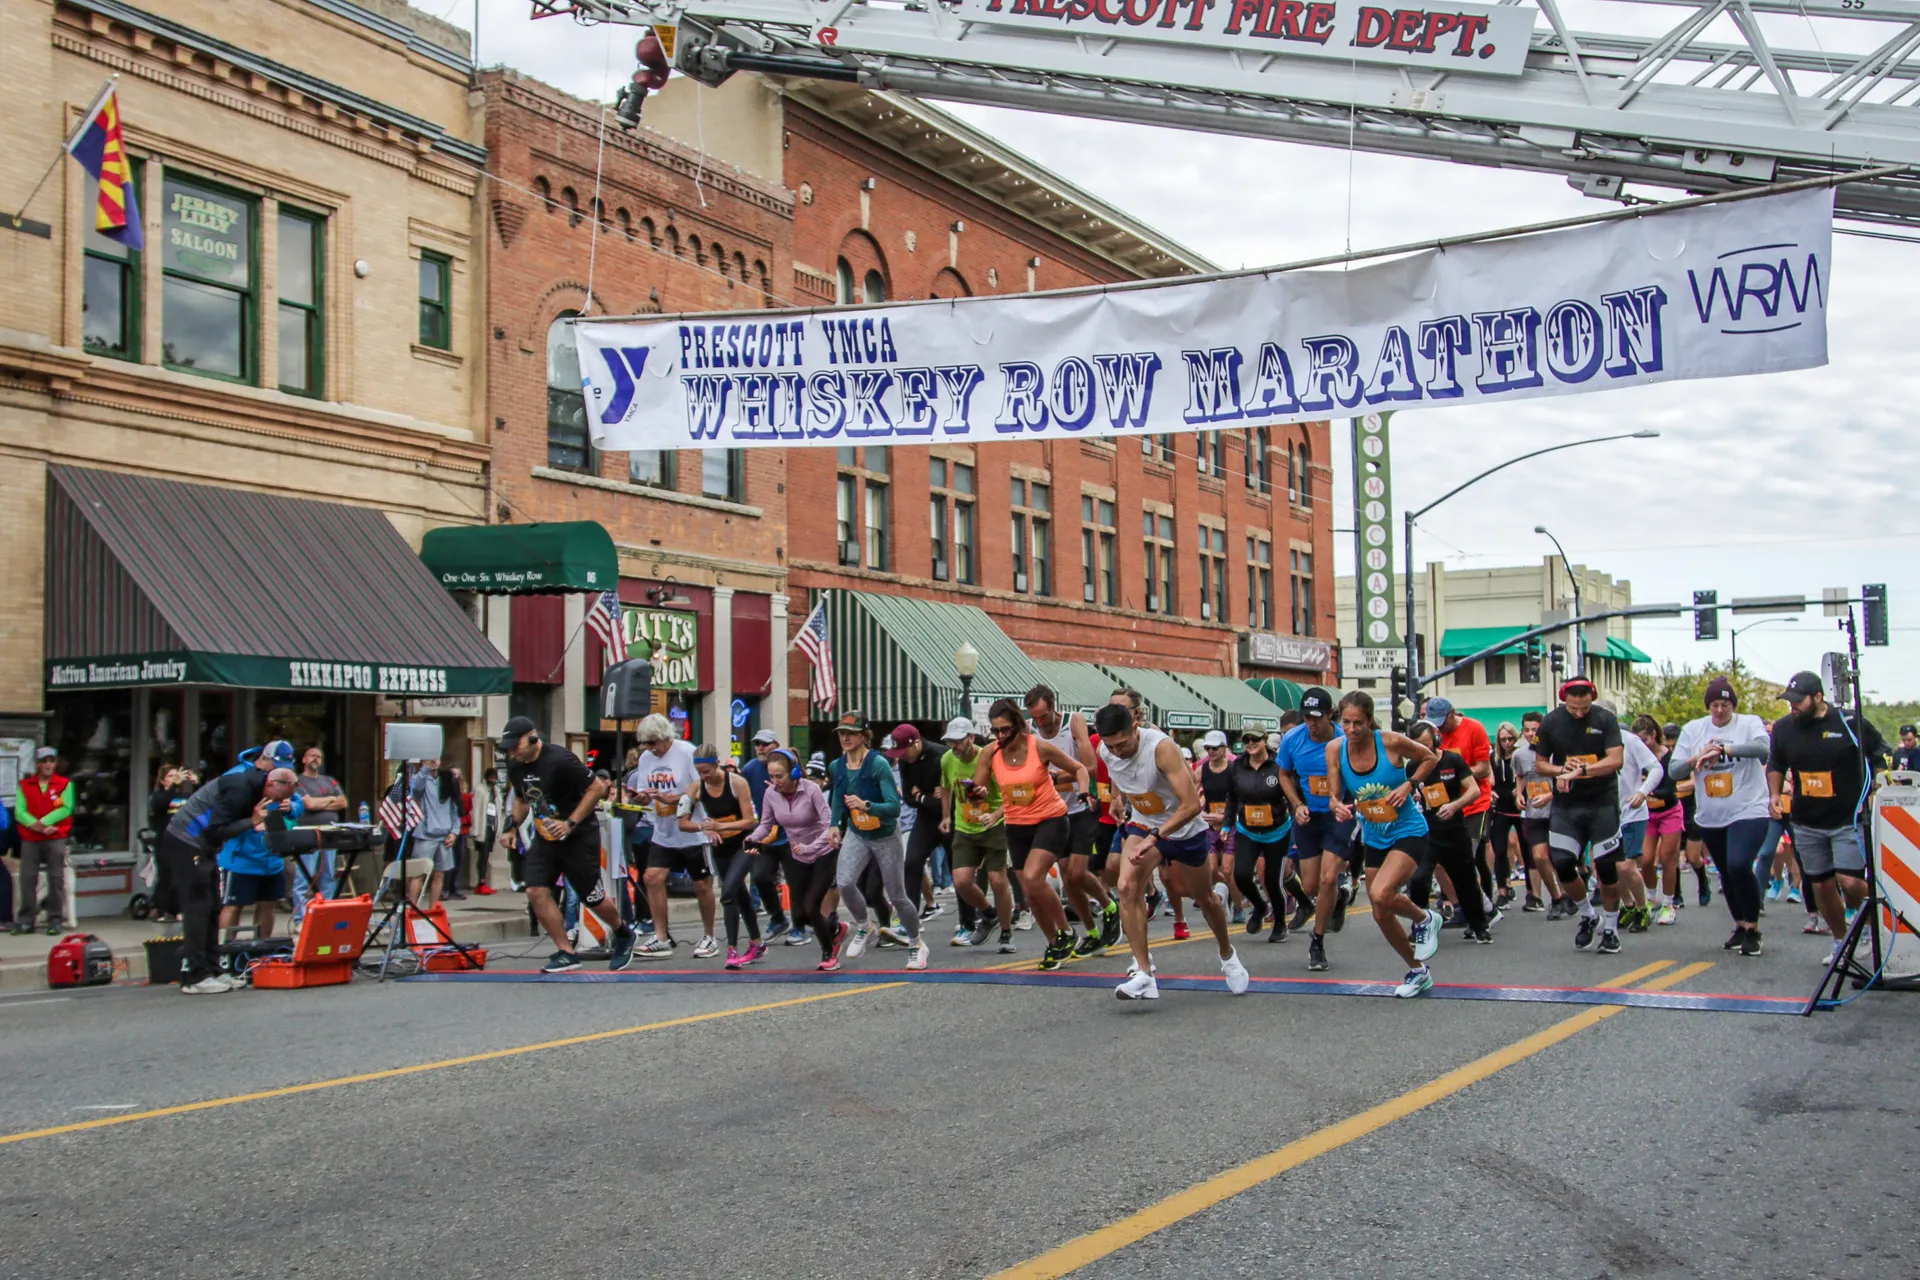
(391, 817)
(814, 642)
(603, 619)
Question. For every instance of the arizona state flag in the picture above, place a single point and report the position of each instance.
(97, 145)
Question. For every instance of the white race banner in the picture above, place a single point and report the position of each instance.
(1706, 292)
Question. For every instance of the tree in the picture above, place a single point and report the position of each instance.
(1675, 697)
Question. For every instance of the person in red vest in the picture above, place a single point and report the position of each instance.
(44, 809)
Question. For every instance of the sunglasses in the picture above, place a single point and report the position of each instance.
(1004, 731)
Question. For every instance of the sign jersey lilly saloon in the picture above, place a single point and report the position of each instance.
(1707, 292)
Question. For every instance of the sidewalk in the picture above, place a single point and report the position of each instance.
(501, 917)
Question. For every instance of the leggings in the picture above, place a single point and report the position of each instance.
(736, 899)
(766, 879)
(1246, 852)
(1451, 845)
(1503, 827)
(808, 884)
(857, 853)
(1733, 849)
(921, 842)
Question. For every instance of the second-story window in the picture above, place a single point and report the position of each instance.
(1260, 583)
(950, 515)
(110, 286)
(302, 349)
(1301, 563)
(863, 507)
(1032, 537)
(723, 474)
(568, 446)
(1259, 463)
(1210, 447)
(436, 300)
(1158, 533)
(1213, 574)
(1100, 582)
(209, 315)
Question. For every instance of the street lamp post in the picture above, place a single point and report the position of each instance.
(966, 662)
(1413, 663)
(1580, 636)
(1733, 637)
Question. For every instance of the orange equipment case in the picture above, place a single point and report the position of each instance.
(324, 953)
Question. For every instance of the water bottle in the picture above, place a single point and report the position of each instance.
(366, 814)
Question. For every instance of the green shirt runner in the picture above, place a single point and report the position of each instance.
(955, 773)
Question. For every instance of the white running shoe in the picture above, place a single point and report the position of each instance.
(1235, 974)
(1426, 938)
(1138, 986)
(857, 940)
(918, 960)
(708, 947)
(214, 985)
(1418, 982)
(1023, 921)
(1834, 954)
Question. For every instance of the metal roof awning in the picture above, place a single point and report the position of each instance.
(1284, 694)
(1239, 705)
(523, 559)
(1082, 686)
(1622, 650)
(1490, 718)
(153, 582)
(1170, 704)
(1464, 642)
(893, 656)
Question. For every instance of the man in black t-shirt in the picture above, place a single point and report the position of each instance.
(919, 763)
(1579, 747)
(1832, 758)
(550, 783)
(1906, 756)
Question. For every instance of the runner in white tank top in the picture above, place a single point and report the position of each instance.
(1098, 911)
(1164, 829)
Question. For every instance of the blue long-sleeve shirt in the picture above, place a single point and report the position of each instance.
(873, 782)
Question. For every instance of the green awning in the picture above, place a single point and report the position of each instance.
(1082, 686)
(893, 656)
(1239, 705)
(1464, 642)
(1624, 650)
(1170, 704)
(1490, 717)
(523, 559)
(1284, 694)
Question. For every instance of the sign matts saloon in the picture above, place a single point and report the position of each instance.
(1706, 292)
(670, 640)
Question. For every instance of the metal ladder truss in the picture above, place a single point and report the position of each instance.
(1653, 101)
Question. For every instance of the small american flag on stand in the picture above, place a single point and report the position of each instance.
(603, 620)
(815, 643)
(397, 822)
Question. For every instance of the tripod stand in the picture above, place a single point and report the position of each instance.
(399, 935)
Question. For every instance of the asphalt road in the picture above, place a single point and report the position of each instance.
(960, 1130)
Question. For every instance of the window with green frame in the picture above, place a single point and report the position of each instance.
(436, 300)
(110, 292)
(208, 280)
(302, 334)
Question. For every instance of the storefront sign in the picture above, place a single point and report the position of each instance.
(670, 639)
(1358, 663)
(1185, 720)
(1373, 531)
(207, 234)
(1265, 649)
(247, 672)
(433, 708)
(109, 672)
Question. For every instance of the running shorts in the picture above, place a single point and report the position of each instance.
(1824, 852)
(1190, 852)
(982, 850)
(1050, 836)
(1579, 828)
(546, 864)
(691, 859)
(1633, 840)
(245, 888)
(1534, 831)
(1319, 834)
(1083, 833)
(1105, 835)
(1671, 820)
(1415, 847)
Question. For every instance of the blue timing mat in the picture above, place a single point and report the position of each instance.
(1261, 986)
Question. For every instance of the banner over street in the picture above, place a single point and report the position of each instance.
(1712, 291)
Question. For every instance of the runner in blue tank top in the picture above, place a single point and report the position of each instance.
(1376, 773)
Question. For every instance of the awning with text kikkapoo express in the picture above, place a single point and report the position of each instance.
(571, 557)
(150, 582)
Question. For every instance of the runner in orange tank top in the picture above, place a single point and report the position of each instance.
(1037, 829)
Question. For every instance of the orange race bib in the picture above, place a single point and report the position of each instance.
(1818, 785)
(1436, 794)
(1720, 785)
(1786, 802)
(1583, 759)
(1147, 802)
(1218, 809)
(1317, 786)
(1021, 793)
(865, 821)
(1683, 788)
(666, 808)
(1539, 790)
(1259, 815)
(1105, 792)
(1380, 811)
(976, 814)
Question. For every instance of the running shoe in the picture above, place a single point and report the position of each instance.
(1637, 919)
(917, 959)
(1256, 916)
(799, 937)
(1734, 939)
(893, 936)
(857, 944)
(1340, 902)
(1583, 936)
(931, 911)
(830, 964)
(1110, 923)
(1481, 936)
(1059, 951)
(755, 953)
(1133, 966)
(219, 984)
(1220, 892)
(1458, 920)
(1533, 903)
(708, 946)
(840, 934)
(1505, 899)
(1706, 895)
(1557, 911)
(777, 928)
(1793, 893)
(1180, 931)
(1279, 933)
(1815, 925)
(1666, 914)
(1495, 916)
(485, 890)
(1609, 943)
(1301, 914)
(1833, 956)
(733, 959)
(1138, 986)
(1750, 945)
(655, 948)
(1317, 954)
(562, 962)
(1090, 945)
(1418, 982)
(1236, 974)
(1239, 916)
(620, 950)
(982, 931)
(1006, 943)
(1024, 921)
(1425, 937)
(1154, 899)
(962, 936)
(1776, 889)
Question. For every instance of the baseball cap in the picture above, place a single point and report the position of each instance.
(957, 728)
(1804, 684)
(514, 730)
(1720, 687)
(903, 736)
(1316, 702)
(1186, 753)
(1907, 728)
(1214, 738)
(1576, 684)
(46, 753)
(767, 736)
(280, 752)
(1438, 709)
(853, 722)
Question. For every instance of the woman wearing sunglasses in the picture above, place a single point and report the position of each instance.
(1259, 821)
(1038, 832)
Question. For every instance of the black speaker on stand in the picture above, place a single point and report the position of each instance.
(626, 693)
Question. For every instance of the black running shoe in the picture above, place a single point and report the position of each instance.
(1340, 901)
(1110, 923)
(1301, 915)
(1750, 945)
(1533, 903)
(1279, 933)
(1583, 936)
(1609, 943)
(562, 962)
(1317, 954)
(1060, 951)
(1734, 939)
(1154, 899)
(1557, 911)
(1090, 945)
(620, 950)
(1481, 936)
(1256, 916)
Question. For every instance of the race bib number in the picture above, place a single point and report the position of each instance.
(1683, 788)
(1317, 786)
(975, 814)
(1539, 791)
(866, 821)
(1378, 811)
(1816, 785)
(1436, 794)
(1218, 809)
(1147, 802)
(666, 808)
(1104, 791)
(1021, 793)
(1786, 802)
(1720, 785)
(1259, 815)
(1583, 759)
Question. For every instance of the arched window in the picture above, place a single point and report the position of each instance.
(873, 288)
(760, 274)
(699, 254)
(600, 217)
(624, 221)
(571, 198)
(740, 265)
(647, 230)
(843, 282)
(673, 241)
(568, 446)
(1306, 476)
(543, 192)
(719, 256)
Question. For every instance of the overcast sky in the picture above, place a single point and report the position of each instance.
(1773, 485)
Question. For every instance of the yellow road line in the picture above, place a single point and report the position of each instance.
(395, 1072)
(1095, 1245)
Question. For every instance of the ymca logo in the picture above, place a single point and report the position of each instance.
(1762, 288)
(624, 366)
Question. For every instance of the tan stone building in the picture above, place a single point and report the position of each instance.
(303, 324)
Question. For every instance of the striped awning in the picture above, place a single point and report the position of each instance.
(1239, 705)
(1082, 686)
(1170, 704)
(893, 656)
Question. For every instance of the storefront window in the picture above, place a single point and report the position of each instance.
(303, 721)
(165, 711)
(93, 732)
(213, 739)
(207, 315)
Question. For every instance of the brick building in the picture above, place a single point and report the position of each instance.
(1201, 555)
(220, 446)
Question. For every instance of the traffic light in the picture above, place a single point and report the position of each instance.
(1706, 618)
(1400, 702)
(1530, 661)
(1873, 599)
(1557, 658)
